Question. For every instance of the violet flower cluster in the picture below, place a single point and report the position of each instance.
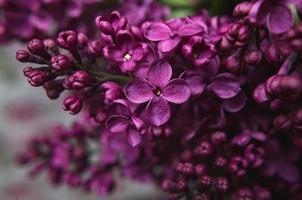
(206, 107)
(24, 20)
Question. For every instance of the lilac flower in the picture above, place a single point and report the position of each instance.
(269, 11)
(126, 121)
(127, 53)
(199, 50)
(169, 38)
(157, 90)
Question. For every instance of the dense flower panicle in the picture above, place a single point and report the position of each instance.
(23, 21)
(207, 107)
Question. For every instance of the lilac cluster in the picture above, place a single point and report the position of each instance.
(208, 107)
(24, 20)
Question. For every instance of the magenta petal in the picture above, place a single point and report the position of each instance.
(117, 124)
(169, 45)
(260, 94)
(280, 19)
(159, 111)
(194, 80)
(157, 31)
(139, 91)
(138, 123)
(177, 91)
(190, 29)
(112, 52)
(255, 16)
(236, 103)
(160, 73)
(133, 137)
(137, 54)
(288, 172)
(127, 66)
(225, 86)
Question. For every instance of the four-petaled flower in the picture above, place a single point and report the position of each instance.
(157, 89)
(126, 53)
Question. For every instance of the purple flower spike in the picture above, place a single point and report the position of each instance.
(158, 90)
(127, 53)
(269, 11)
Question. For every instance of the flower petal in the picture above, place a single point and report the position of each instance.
(288, 172)
(127, 66)
(280, 19)
(236, 103)
(167, 46)
(258, 12)
(177, 91)
(138, 91)
(112, 52)
(159, 111)
(194, 80)
(133, 137)
(117, 124)
(190, 29)
(157, 31)
(225, 86)
(160, 73)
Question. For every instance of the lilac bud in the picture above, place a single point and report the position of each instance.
(36, 46)
(282, 122)
(50, 46)
(206, 181)
(238, 34)
(272, 53)
(218, 138)
(73, 104)
(67, 40)
(79, 79)
(188, 169)
(237, 165)
(222, 184)
(22, 55)
(60, 62)
(37, 77)
(298, 118)
(105, 27)
(233, 63)
(53, 88)
(252, 57)
(220, 161)
(200, 169)
(168, 185)
(242, 9)
(82, 40)
(96, 48)
(204, 149)
(272, 85)
(244, 193)
(112, 91)
(224, 44)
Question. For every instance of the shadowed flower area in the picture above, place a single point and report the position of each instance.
(171, 99)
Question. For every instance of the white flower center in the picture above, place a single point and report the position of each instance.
(127, 56)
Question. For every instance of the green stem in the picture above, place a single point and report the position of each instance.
(104, 76)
